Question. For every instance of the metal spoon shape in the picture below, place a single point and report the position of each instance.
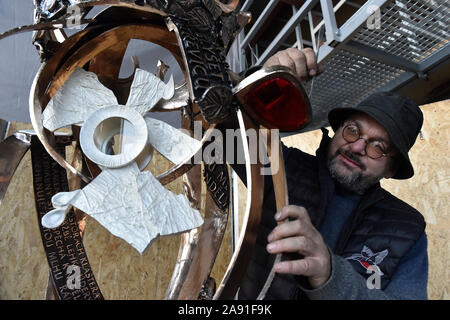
(54, 218)
(61, 202)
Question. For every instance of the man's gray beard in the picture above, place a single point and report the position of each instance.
(355, 181)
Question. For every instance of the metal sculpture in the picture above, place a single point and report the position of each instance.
(78, 85)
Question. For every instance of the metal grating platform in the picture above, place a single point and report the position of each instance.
(407, 51)
(348, 80)
(410, 29)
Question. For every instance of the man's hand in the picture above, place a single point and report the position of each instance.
(299, 235)
(303, 63)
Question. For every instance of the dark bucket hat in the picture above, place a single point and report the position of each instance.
(400, 117)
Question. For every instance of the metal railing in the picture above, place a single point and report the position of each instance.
(381, 46)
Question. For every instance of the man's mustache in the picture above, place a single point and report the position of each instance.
(352, 157)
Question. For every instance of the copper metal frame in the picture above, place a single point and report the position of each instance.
(111, 45)
(104, 50)
(51, 77)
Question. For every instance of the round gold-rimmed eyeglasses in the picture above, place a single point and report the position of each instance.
(375, 149)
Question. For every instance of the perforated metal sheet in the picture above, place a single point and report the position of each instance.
(413, 30)
(348, 79)
(410, 29)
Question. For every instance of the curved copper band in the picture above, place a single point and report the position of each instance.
(241, 256)
(52, 76)
(108, 45)
(199, 247)
(56, 71)
(281, 199)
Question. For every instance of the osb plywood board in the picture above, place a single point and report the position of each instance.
(429, 192)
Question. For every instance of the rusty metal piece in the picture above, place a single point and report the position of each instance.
(208, 240)
(12, 150)
(151, 33)
(161, 70)
(38, 98)
(208, 289)
(208, 244)
(44, 26)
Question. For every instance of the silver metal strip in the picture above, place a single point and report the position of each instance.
(380, 55)
(234, 209)
(298, 32)
(351, 26)
(287, 29)
(241, 52)
(261, 19)
(435, 59)
(358, 19)
(331, 29)
(312, 30)
(246, 5)
(336, 8)
(425, 67)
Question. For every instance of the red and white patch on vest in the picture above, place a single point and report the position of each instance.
(368, 259)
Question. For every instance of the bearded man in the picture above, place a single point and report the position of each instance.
(344, 237)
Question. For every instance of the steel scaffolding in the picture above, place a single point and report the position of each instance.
(389, 45)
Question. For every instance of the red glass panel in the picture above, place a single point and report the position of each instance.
(278, 103)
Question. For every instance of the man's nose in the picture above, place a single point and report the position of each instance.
(358, 147)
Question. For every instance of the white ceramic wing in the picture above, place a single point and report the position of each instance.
(147, 89)
(132, 205)
(169, 212)
(172, 143)
(80, 96)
